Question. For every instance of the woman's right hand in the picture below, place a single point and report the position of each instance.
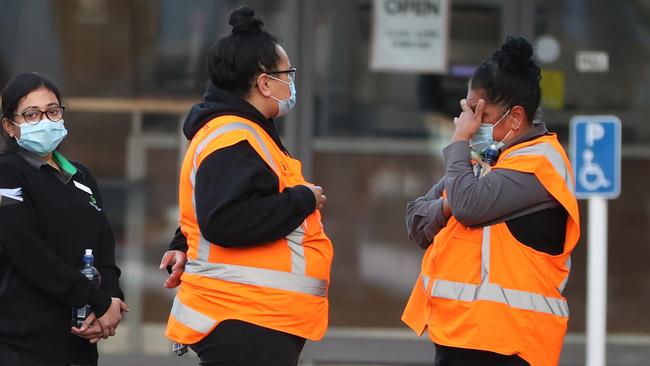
(112, 317)
(176, 259)
(469, 121)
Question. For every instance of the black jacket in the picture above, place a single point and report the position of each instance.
(238, 201)
(44, 230)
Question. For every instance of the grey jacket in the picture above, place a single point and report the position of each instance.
(501, 195)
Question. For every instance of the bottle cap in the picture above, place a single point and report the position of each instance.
(89, 252)
(491, 154)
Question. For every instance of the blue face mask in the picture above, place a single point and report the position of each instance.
(483, 137)
(43, 137)
(285, 105)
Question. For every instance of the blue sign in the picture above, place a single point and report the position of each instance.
(596, 155)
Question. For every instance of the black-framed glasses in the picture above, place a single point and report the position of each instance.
(290, 72)
(33, 116)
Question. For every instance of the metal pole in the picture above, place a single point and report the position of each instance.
(597, 283)
(305, 127)
(135, 232)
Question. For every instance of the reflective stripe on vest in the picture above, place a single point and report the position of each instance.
(294, 240)
(545, 149)
(295, 281)
(258, 276)
(487, 291)
(190, 317)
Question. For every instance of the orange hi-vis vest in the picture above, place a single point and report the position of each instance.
(482, 289)
(280, 285)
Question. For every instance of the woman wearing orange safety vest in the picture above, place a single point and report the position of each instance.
(258, 261)
(498, 236)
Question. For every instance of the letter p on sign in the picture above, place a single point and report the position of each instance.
(594, 131)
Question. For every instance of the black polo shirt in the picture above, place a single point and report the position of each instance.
(47, 219)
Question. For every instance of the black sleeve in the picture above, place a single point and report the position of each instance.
(37, 263)
(179, 242)
(105, 260)
(238, 203)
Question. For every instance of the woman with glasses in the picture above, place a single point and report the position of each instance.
(258, 261)
(50, 213)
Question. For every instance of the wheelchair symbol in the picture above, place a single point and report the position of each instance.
(591, 176)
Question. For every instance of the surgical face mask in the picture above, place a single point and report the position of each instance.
(285, 105)
(483, 137)
(43, 137)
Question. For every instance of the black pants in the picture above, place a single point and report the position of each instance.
(452, 356)
(238, 343)
(10, 357)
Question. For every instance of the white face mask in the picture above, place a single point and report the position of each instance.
(285, 105)
(483, 137)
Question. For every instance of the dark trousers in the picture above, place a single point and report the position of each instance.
(237, 343)
(10, 357)
(452, 356)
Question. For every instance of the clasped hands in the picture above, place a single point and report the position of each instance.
(93, 329)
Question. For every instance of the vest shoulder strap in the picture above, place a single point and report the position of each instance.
(226, 131)
(546, 158)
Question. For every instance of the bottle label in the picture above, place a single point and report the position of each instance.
(82, 312)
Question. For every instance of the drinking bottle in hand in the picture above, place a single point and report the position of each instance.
(88, 270)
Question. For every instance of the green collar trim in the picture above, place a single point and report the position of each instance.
(62, 162)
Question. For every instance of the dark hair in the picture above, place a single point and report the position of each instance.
(15, 90)
(234, 61)
(18, 88)
(510, 76)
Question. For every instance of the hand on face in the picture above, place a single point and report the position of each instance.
(468, 122)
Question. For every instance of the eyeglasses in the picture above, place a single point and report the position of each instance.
(33, 116)
(290, 72)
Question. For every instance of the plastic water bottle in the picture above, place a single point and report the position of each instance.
(88, 270)
(490, 154)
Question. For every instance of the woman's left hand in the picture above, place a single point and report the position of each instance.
(468, 122)
(90, 329)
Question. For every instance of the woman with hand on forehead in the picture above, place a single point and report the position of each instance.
(51, 212)
(498, 244)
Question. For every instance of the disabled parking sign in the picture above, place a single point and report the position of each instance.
(596, 156)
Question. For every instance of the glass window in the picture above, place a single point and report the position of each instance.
(353, 101)
(378, 141)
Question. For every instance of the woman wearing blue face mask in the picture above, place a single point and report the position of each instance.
(51, 212)
(499, 244)
(254, 286)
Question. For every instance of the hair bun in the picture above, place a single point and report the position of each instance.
(243, 21)
(516, 55)
(518, 48)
